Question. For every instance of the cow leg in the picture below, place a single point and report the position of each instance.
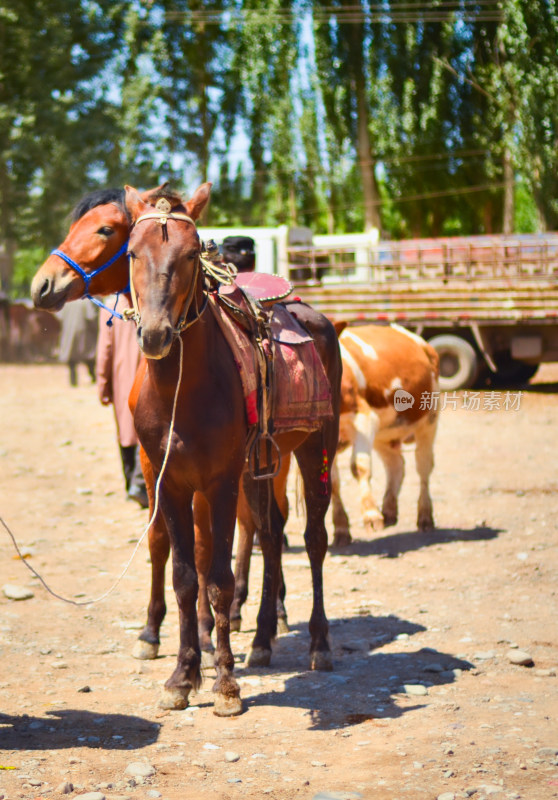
(394, 463)
(366, 426)
(147, 645)
(424, 459)
(341, 527)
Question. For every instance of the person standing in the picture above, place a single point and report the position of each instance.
(78, 338)
(118, 357)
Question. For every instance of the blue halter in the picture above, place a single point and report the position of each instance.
(87, 277)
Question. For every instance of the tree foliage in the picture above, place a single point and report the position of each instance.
(422, 118)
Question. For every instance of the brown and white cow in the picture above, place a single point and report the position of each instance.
(389, 375)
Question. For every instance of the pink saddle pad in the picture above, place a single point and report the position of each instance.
(261, 286)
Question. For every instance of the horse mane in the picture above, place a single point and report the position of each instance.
(101, 197)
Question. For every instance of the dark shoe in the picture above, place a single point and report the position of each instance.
(138, 494)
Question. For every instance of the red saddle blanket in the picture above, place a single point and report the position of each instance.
(261, 286)
(302, 394)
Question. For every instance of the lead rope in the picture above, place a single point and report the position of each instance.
(149, 524)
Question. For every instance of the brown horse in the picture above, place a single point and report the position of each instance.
(96, 243)
(100, 219)
(187, 354)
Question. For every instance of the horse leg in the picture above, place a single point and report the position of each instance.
(317, 493)
(280, 486)
(269, 522)
(280, 492)
(220, 584)
(282, 622)
(178, 513)
(424, 459)
(341, 526)
(394, 464)
(203, 553)
(147, 644)
(246, 530)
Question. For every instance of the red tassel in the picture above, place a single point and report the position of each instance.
(324, 472)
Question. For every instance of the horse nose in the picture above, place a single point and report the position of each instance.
(40, 291)
(155, 342)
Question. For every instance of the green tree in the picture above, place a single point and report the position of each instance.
(51, 54)
(342, 45)
(531, 37)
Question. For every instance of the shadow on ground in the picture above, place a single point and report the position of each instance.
(541, 388)
(366, 683)
(396, 544)
(59, 730)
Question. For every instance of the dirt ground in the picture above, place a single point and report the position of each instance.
(440, 614)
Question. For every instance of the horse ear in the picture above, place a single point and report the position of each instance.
(199, 200)
(150, 193)
(134, 203)
(339, 327)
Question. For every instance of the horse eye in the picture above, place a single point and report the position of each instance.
(105, 231)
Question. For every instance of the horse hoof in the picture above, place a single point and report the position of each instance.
(225, 706)
(235, 625)
(342, 539)
(174, 699)
(207, 660)
(282, 625)
(145, 651)
(321, 660)
(258, 657)
(426, 524)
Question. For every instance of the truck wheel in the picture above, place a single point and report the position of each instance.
(458, 362)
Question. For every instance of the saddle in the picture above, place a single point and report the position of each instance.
(284, 382)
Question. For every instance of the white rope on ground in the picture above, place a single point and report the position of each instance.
(32, 569)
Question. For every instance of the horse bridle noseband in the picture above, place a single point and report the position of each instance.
(87, 277)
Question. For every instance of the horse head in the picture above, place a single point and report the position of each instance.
(92, 258)
(165, 275)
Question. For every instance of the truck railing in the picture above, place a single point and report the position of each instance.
(483, 258)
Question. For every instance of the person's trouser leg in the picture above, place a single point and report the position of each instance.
(137, 490)
(128, 456)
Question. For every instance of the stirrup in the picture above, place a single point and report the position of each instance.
(254, 461)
